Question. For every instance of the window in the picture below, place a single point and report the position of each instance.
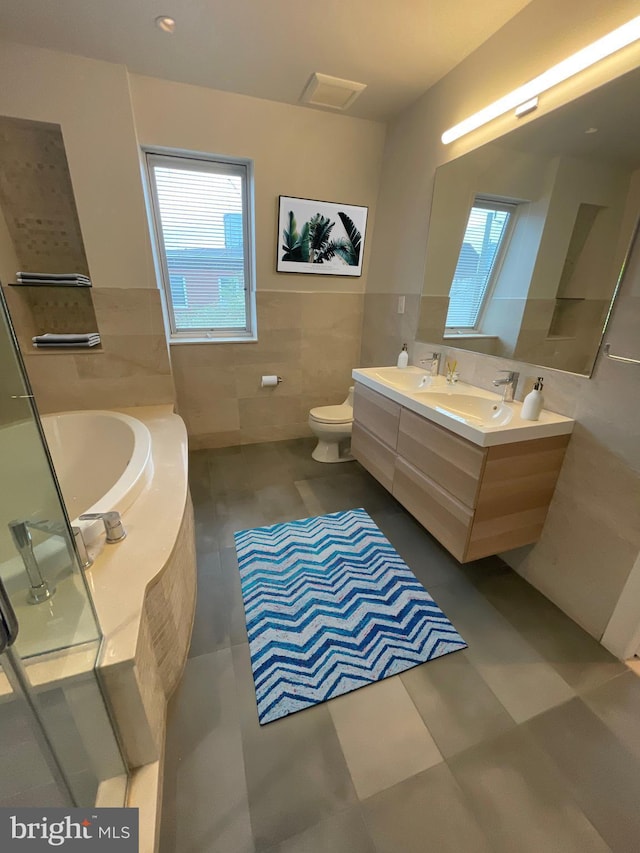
(483, 243)
(202, 214)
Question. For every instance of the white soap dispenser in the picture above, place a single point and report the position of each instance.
(532, 405)
(403, 358)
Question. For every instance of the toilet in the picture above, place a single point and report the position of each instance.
(332, 426)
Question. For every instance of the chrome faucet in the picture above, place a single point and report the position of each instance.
(509, 384)
(112, 524)
(433, 363)
(39, 588)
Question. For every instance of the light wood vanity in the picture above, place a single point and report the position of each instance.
(475, 500)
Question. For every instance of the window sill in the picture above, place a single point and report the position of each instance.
(245, 339)
(453, 336)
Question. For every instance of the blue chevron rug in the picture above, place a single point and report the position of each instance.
(330, 607)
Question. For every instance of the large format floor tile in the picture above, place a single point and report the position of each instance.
(457, 706)
(521, 800)
(617, 704)
(344, 832)
(380, 754)
(425, 813)
(484, 750)
(604, 777)
(574, 654)
(206, 807)
(521, 679)
(296, 771)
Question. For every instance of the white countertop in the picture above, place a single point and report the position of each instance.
(429, 402)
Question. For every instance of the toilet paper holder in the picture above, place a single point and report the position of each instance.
(271, 381)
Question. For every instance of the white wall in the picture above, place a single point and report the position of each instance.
(296, 151)
(90, 100)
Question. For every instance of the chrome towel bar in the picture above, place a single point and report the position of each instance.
(607, 352)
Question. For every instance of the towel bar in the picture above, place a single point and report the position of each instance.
(607, 352)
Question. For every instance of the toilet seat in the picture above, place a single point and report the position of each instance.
(342, 414)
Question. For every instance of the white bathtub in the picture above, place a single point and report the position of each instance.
(103, 462)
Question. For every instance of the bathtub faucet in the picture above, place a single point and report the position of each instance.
(39, 588)
(112, 524)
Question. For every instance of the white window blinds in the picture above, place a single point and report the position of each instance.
(484, 237)
(201, 209)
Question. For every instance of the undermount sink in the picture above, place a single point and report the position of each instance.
(469, 408)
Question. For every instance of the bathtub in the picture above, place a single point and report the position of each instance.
(103, 461)
(143, 589)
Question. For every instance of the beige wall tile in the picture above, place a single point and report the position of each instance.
(203, 441)
(217, 415)
(274, 433)
(326, 310)
(272, 345)
(126, 356)
(278, 310)
(248, 378)
(128, 311)
(259, 412)
(581, 563)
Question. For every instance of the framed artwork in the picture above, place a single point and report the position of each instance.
(320, 237)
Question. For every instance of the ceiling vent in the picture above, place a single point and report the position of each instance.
(325, 91)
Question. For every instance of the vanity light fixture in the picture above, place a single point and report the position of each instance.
(166, 24)
(603, 47)
(526, 108)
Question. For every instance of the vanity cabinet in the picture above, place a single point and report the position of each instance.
(474, 500)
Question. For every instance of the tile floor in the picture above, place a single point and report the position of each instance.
(526, 741)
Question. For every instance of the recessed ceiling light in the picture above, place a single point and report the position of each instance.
(591, 130)
(166, 24)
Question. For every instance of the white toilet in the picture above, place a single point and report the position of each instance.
(332, 425)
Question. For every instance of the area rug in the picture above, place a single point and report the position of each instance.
(331, 606)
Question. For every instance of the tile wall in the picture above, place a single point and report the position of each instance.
(591, 538)
(311, 340)
(131, 369)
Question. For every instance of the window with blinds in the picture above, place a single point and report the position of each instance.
(202, 217)
(484, 240)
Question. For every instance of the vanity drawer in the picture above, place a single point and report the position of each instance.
(373, 454)
(451, 461)
(376, 414)
(446, 518)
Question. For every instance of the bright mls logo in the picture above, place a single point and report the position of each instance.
(37, 829)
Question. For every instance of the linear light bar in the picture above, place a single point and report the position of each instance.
(615, 40)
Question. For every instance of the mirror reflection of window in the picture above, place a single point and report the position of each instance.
(484, 243)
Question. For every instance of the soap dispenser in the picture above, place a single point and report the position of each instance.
(532, 405)
(403, 358)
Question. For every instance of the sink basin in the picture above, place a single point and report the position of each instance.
(477, 414)
(407, 378)
(469, 408)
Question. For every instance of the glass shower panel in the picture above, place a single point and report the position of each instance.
(58, 638)
(37, 559)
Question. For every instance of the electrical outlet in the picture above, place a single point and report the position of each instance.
(401, 304)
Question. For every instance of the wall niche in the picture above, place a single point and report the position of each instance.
(40, 232)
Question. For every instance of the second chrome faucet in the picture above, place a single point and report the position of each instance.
(509, 383)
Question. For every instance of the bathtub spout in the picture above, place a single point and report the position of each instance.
(39, 588)
(113, 525)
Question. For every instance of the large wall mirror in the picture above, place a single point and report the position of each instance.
(528, 233)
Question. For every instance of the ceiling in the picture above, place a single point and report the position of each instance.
(270, 48)
(603, 124)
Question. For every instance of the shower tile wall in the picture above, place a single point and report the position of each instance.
(311, 340)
